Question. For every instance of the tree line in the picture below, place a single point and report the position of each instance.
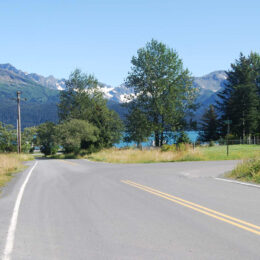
(238, 104)
(163, 103)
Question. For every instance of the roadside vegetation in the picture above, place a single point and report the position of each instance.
(11, 163)
(248, 171)
(174, 154)
(162, 104)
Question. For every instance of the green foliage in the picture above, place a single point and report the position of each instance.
(29, 139)
(240, 100)
(8, 138)
(168, 147)
(209, 125)
(163, 89)
(183, 147)
(76, 133)
(183, 137)
(211, 143)
(40, 104)
(47, 138)
(137, 126)
(249, 170)
(83, 100)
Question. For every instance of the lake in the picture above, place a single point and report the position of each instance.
(193, 136)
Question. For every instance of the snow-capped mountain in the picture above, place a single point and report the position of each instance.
(9, 73)
(42, 94)
(208, 84)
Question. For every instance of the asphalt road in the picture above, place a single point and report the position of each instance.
(85, 210)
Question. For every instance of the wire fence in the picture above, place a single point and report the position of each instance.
(241, 141)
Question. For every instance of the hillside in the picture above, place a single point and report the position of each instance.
(42, 95)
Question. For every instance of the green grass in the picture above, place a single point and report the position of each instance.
(11, 163)
(249, 171)
(236, 152)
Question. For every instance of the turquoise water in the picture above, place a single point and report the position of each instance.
(193, 135)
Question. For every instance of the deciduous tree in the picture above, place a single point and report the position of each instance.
(163, 89)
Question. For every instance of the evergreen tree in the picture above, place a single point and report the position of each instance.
(163, 89)
(209, 125)
(240, 99)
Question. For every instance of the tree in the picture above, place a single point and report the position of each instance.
(137, 126)
(28, 139)
(240, 99)
(47, 138)
(162, 87)
(75, 134)
(209, 125)
(182, 138)
(8, 138)
(83, 100)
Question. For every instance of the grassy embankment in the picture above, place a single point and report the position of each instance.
(248, 170)
(11, 163)
(236, 152)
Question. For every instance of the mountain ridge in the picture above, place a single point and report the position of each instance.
(42, 93)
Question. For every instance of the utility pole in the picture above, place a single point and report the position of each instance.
(19, 140)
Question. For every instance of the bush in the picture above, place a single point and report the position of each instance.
(249, 170)
(47, 138)
(183, 138)
(211, 143)
(8, 138)
(182, 147)
(168, 147)
(76, 135)
(49, 149)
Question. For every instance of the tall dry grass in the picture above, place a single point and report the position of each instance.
(114, 155)
(248, 170)
(10, 163)
(236, 152)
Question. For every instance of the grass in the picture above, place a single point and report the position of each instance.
(236, 152)
(114, 155)
(248, 171)
(11, 163)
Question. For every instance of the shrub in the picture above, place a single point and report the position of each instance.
(249, 170)
(211, 143)
(47, 138)
(168, 147)
(182, 147)
(183, 138)
(76, 135)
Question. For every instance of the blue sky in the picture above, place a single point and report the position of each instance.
(100, 37)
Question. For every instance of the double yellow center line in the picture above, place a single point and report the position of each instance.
(209, 212)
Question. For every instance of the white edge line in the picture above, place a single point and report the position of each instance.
(239, 182)
(12, 227)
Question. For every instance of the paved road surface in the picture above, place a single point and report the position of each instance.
(85, 210)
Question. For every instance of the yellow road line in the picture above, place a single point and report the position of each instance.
(197, 207)
(72, 163)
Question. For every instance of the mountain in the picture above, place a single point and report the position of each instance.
(210, 85)
(13, 74)
(40, 104)
(42, 95)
